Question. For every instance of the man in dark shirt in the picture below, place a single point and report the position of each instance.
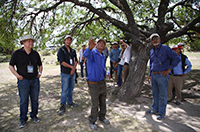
(27, 62)
(68, 62)
(159, 69)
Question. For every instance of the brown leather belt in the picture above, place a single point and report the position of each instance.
(90, 82)
(157, 72)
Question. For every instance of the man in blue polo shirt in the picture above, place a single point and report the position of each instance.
(96, 63)
(159, 70)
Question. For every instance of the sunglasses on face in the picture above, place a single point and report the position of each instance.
(122, 45)
(154, 38)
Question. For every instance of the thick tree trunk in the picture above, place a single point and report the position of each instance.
(137, 69)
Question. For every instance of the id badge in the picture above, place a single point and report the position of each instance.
(70, 61)
(30, 69)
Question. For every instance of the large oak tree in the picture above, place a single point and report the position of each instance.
(135, 20)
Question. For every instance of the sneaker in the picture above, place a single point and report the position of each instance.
(22, 124)
(160, 117)
(152, 112)
(105, 121)
(62, 110)
(36, 119)
(72, 105)
(93, 126)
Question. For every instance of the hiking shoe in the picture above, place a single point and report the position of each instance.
(22, 124)
(62, 110)
(72, 105)
(36, 119)
(105, 121)
(152, 112)
(93, 126)
(160, 117)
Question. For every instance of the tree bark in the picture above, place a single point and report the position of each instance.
(137, 69)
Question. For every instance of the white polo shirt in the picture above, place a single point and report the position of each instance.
(127, 54)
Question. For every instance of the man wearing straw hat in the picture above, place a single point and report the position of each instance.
(29, 70)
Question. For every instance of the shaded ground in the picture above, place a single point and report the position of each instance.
(124, 117)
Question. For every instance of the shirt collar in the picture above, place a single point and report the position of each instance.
(97, 52)
(158, 46)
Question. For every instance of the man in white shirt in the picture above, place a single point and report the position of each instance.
(81, 60)
(126, 57)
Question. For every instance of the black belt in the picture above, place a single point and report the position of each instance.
(174, 75)
(126, 63)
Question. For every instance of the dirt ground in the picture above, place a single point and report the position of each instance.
(124, 117)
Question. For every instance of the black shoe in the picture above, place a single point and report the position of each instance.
(152, 112)
(62, 110)
(105, 121)
(92, 126)
(72, 105)
(22, 124)
(160, 117)
(177, 103)
(36, 119)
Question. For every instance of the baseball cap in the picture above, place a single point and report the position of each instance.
(153, 35)
(176, 47)
(68, 36)
(181, 44)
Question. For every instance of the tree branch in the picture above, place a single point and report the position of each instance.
(182, 31)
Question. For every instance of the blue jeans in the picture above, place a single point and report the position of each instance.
(159, 85)
(26, 88)
(68, 82)
(119, 71)
(81, 64)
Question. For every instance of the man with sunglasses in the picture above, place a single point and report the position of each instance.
(159, 70)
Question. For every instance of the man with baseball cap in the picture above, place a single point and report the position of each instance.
(177, 74)
(182, 45)
(159, 69)
(68, 62)
(27, 62)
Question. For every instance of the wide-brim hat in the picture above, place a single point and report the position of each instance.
(153, 35)
(181, 44)
(26, 37)
(68, 36)
(176, 47)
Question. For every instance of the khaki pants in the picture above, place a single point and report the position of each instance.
(177, 83)
(126, 71)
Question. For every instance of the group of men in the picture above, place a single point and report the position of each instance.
(119, 60)
(162, 61)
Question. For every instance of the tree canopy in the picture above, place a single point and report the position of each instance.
(51, 20)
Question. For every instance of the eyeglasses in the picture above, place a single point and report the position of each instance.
(122, 45)
(154, 38)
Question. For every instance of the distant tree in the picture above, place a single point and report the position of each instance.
(135, 20)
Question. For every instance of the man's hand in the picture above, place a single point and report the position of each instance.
(20, 77)
(91, 44)
(149, 79)
(182, 75)
(165, 73)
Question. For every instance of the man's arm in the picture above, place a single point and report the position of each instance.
(12, 69)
